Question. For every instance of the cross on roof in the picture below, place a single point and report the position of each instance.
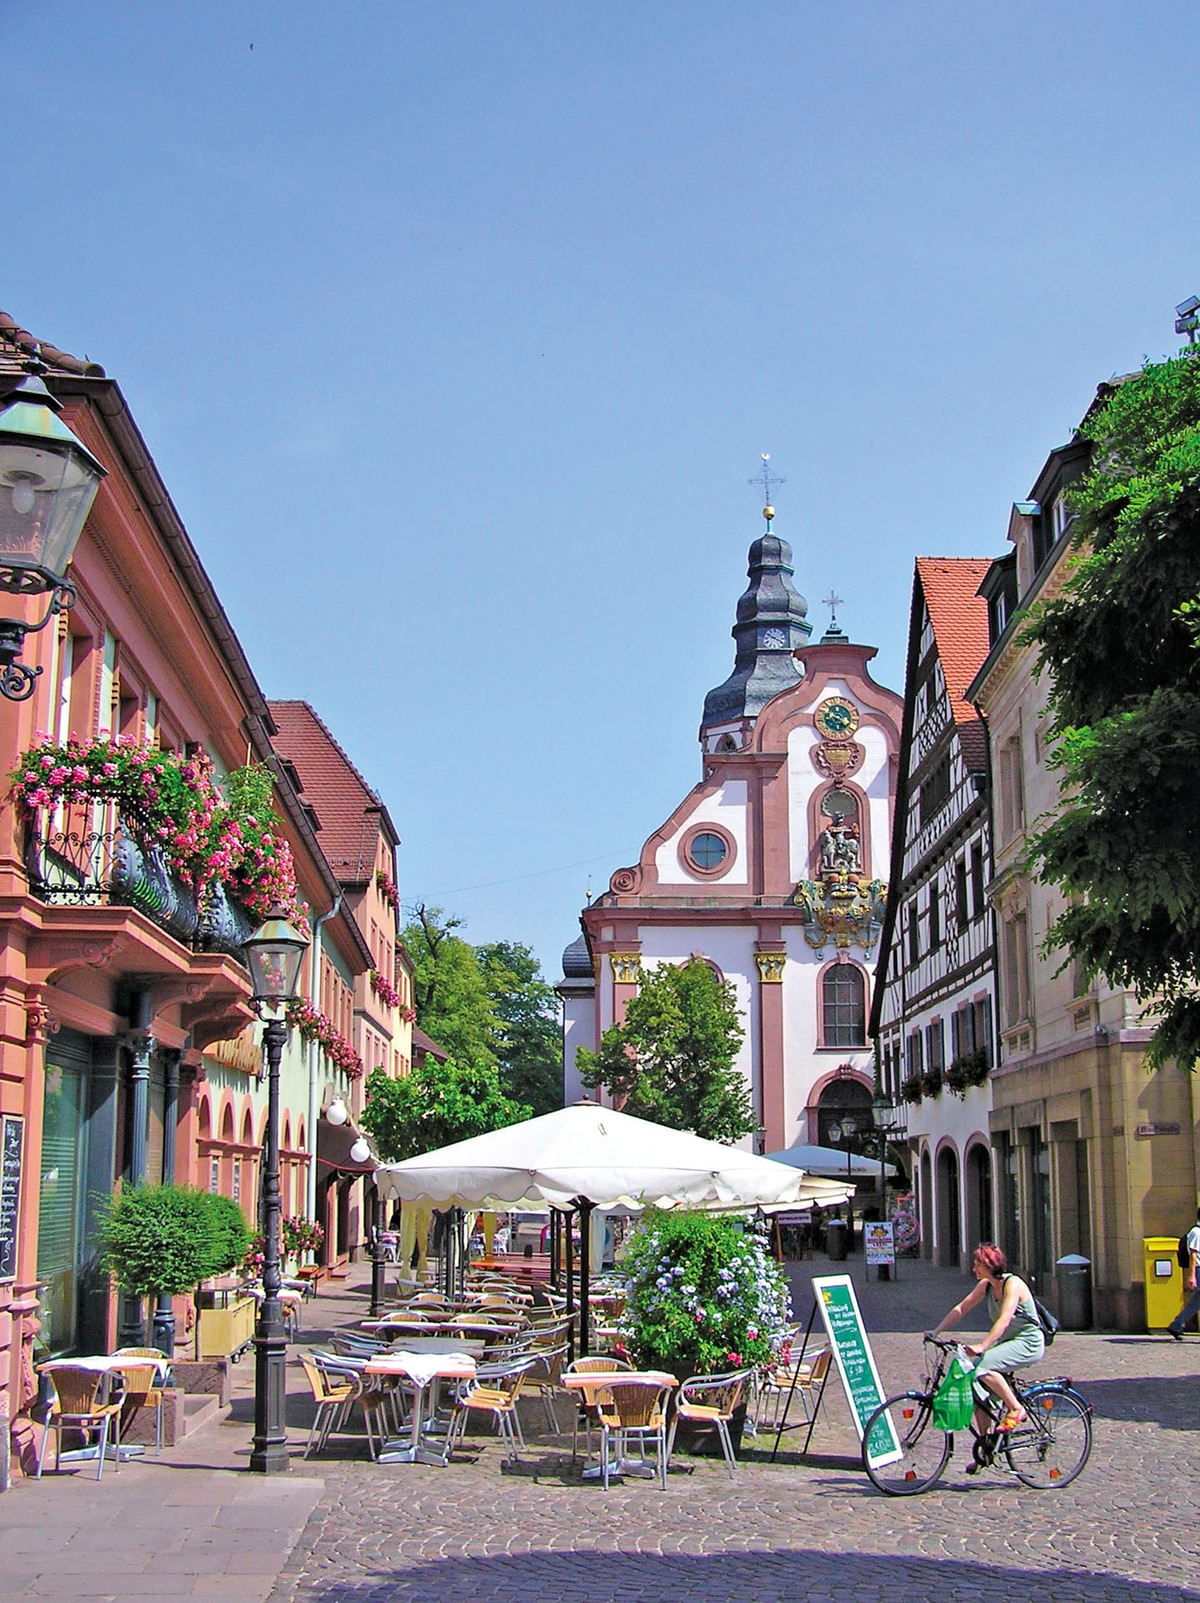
(833, 602)
(767, 479)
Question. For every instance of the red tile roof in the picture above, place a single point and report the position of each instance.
(960, 627)
(423, 1043)
(350, 813)
(17, 344)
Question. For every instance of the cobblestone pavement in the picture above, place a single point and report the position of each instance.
(788, 1531)
(186, 1526)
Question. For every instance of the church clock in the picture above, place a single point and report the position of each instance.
(836, 718)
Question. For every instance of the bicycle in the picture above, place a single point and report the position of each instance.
(905, 1452)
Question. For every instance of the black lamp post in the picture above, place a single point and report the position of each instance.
(884, 1110)
(274, 954)
(48, 481)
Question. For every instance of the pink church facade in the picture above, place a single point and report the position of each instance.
(771, 868)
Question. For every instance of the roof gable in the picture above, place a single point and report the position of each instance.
(959, 619)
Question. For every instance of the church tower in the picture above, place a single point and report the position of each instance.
(771, 868)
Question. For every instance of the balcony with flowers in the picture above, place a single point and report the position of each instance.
(111, 823)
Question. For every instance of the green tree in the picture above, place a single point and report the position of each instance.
(170, 1238)
(436, 1104)
(1122, 647)
(673, 1058)
(451, 996)
(527, 1006)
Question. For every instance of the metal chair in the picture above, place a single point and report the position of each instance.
(144, 1388)
(593, 1364)
(711, 1400)
(83, 1401)
(776, 1385)
(494, 1390)
(633, 1409)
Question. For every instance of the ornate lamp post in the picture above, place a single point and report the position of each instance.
(48, 481)
(274, 955)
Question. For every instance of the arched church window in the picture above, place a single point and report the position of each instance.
(839, 803)
(843, 1006)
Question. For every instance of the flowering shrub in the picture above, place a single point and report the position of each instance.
(255, 1252)
(703, 1295)
(386, 886)
(300, 1235)
(205, 833)
(314, 1026)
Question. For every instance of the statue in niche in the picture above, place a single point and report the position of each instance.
(839, 847)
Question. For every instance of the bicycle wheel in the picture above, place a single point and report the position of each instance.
(903, 1451)
(1054, 1444)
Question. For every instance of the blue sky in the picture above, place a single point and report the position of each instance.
(457, 330)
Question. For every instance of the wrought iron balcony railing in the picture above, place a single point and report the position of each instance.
(88, 854)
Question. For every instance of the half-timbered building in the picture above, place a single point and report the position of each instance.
(933, 1017)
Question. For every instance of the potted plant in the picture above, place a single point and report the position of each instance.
(703, 1297)
(911, 1089)
(167, 1239)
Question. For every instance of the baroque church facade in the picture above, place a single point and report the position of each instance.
(772, 868)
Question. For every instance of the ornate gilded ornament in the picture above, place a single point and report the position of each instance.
(626, 967)
(838, 759)
(770, 967)
(840, 906)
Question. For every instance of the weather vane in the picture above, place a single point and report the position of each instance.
(833, 602)
(768, 480)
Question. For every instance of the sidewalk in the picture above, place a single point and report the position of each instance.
(193, 1523)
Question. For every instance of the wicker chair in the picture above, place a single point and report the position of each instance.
(775, 1387)
(494, 1391)
(144, 1388)
(712, 1400)
(83, 1402)
(545, 1376)
(593, 1364)
(633, 1410)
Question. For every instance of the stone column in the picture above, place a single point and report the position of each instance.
(770, 958)
(131, 1324)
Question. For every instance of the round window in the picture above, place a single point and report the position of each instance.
(707, 851)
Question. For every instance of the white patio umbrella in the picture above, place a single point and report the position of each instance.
(587, 1156)
(588, 1152)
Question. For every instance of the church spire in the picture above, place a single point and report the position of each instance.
(771, 624)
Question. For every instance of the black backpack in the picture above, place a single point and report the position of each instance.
(1184, 1253)
(1050, 1325)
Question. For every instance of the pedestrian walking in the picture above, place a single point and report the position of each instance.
(1192, 1305)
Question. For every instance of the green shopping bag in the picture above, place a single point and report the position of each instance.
(955, 1401)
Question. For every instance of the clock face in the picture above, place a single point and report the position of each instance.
(836, 718)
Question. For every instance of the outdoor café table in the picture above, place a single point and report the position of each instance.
(105, 1364)
(422, 1370)
(591, 1381)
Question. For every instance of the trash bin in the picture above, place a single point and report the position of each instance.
(836, 1241)
(1073, 1275)
(1164, 1280)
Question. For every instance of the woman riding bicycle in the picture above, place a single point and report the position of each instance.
(1015, 1338)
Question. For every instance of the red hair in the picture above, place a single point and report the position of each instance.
(990, 1259)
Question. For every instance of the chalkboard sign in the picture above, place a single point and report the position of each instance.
(12, 1142)
(855, 1361)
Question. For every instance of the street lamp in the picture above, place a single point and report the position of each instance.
(48, 481)
(274, 955)
(884, 1110)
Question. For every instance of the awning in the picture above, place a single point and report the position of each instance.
(333, 1148)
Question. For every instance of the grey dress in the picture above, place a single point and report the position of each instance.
(1022, 1343)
